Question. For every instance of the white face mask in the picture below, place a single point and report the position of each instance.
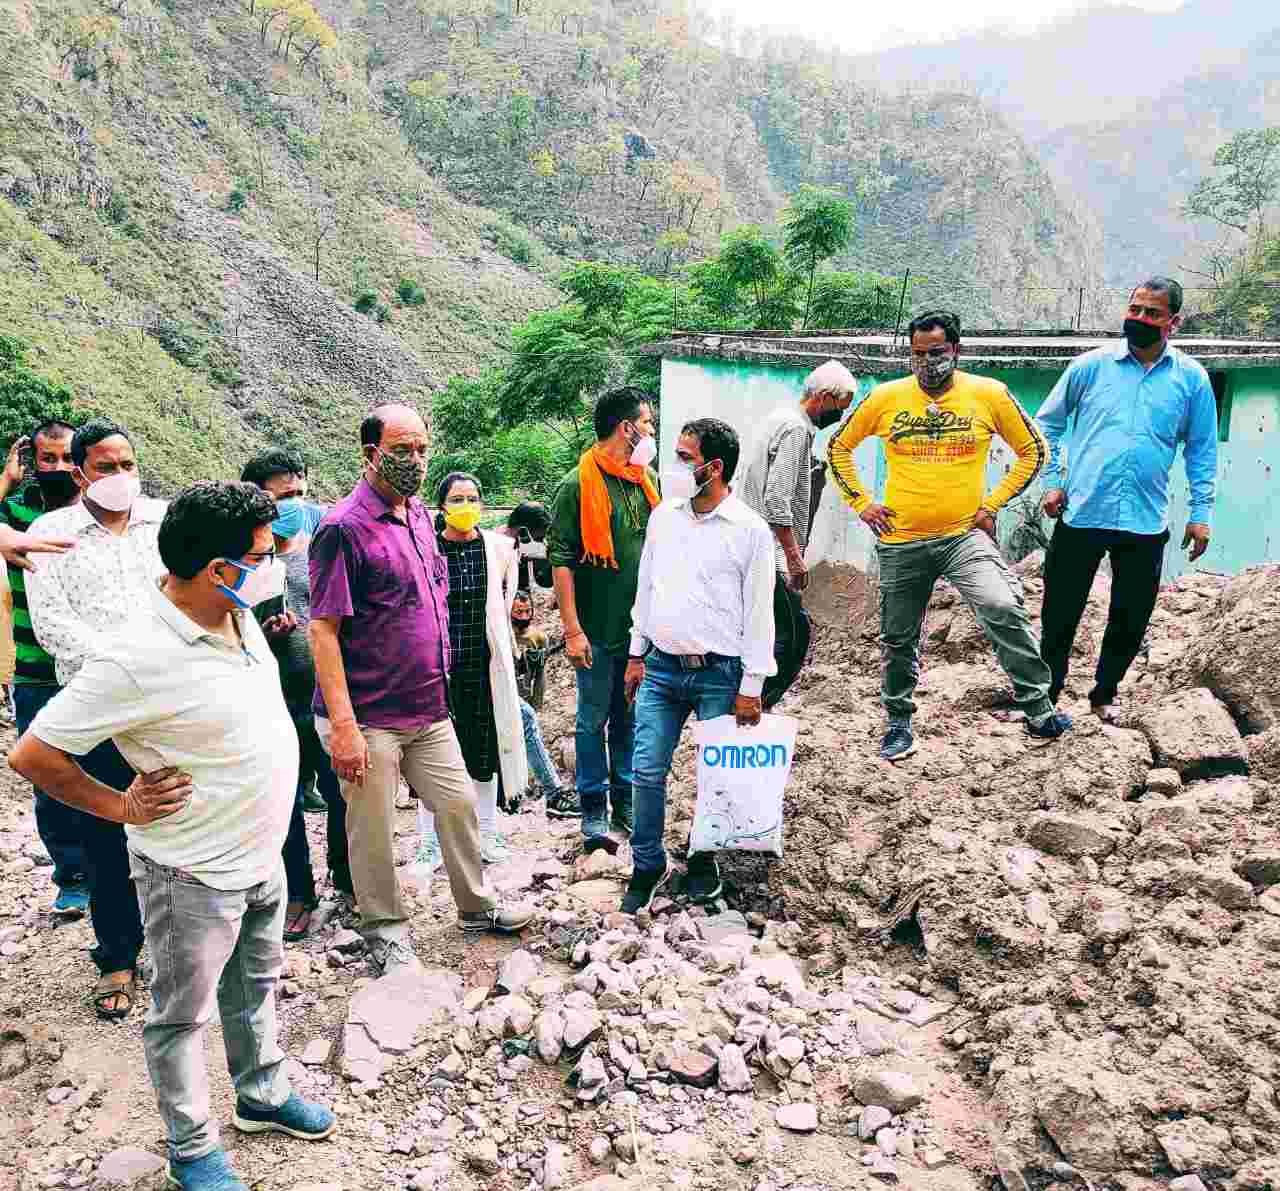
(263, 582)
(680, 482)
(115, 493)
(645, 451)
(533, 550)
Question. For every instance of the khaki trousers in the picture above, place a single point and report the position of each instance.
(431, 762)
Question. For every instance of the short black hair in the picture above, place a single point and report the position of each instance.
(51, 428)
(212, 520)
(933, 320)
(90, 435)
(716, 440)
(1163, 285)
(456, 477)
(276, 461)
(530, 515)
(371, 430)
(618, 406)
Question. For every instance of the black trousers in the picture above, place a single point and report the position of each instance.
(1070, 565)
(314, 764)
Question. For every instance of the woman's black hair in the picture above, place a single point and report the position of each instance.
(456, 477)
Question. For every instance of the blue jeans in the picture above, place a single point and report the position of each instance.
(544, 772)
(602, 702)
(113, 903)
(223, 945)
(666, 697)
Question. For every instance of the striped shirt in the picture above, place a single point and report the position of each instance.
(32, 662)
(777, 481)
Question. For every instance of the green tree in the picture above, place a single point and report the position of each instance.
(26, 397)
(1246, 180)
(750, 261)
(851, 300)
(818, 224)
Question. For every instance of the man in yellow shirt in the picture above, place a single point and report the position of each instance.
(936, 522)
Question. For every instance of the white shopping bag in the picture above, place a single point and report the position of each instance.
(742, 773)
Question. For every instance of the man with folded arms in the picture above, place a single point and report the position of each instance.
(191, 694)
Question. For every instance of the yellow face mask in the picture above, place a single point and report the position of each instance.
(463, 518)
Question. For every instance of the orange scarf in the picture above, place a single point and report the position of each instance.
(597, 508)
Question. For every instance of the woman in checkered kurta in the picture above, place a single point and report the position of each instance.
(469, 691)
(483, 696)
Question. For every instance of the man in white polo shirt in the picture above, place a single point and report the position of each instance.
(701, 635)
(190, 693)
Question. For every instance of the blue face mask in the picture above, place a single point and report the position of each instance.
(290, 518)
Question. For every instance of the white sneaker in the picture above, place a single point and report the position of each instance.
(494, 850)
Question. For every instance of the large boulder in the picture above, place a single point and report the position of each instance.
(1192, 732)
(1240, 660)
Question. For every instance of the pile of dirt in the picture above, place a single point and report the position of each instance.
(1107, 908)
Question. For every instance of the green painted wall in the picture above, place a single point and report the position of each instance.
(1246, 519)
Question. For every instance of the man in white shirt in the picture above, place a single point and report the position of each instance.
(701, 636)
(76, 600)
(191, 693)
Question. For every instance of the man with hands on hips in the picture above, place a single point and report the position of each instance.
(1130, 406)
(701, 635)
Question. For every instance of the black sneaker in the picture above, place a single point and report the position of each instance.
(1047, 731)
(898, 743)
(643, 885)
(702, 882)
(595, 833)
(563, 804)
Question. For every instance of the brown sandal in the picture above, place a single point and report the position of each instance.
(112, 987)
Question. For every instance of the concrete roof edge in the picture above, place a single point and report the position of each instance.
(881, 357)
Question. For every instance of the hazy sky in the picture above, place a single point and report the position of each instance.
(870, 26)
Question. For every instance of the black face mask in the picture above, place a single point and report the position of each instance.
(828, 417)
(520, 623)
(57, 487)
(1140, 334)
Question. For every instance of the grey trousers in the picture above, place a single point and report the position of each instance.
(208, 943)
(972, 563)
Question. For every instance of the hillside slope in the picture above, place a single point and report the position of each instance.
(1081, 68)
(1139, 170)
(189, 220)
(639, 132)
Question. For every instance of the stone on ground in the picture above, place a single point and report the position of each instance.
(127, 1167)
(798, 1118)
(1192, 732)
(894, 1090)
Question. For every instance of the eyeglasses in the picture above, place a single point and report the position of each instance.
(262, 556)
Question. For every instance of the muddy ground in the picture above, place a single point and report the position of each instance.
(1095, 928)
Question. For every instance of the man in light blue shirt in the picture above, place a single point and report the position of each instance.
(1129, 407)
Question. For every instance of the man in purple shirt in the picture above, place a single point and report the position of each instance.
(380, 635)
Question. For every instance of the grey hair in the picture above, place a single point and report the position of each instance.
(830, 378)
(1163, 285)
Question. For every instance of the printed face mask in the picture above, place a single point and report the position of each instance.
(404, 475)
(463, 518)
(1140, 334)
(290, 518)
(263, 582)
(933, 371)
(680, 482)
(645, 451)
(115, 493)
